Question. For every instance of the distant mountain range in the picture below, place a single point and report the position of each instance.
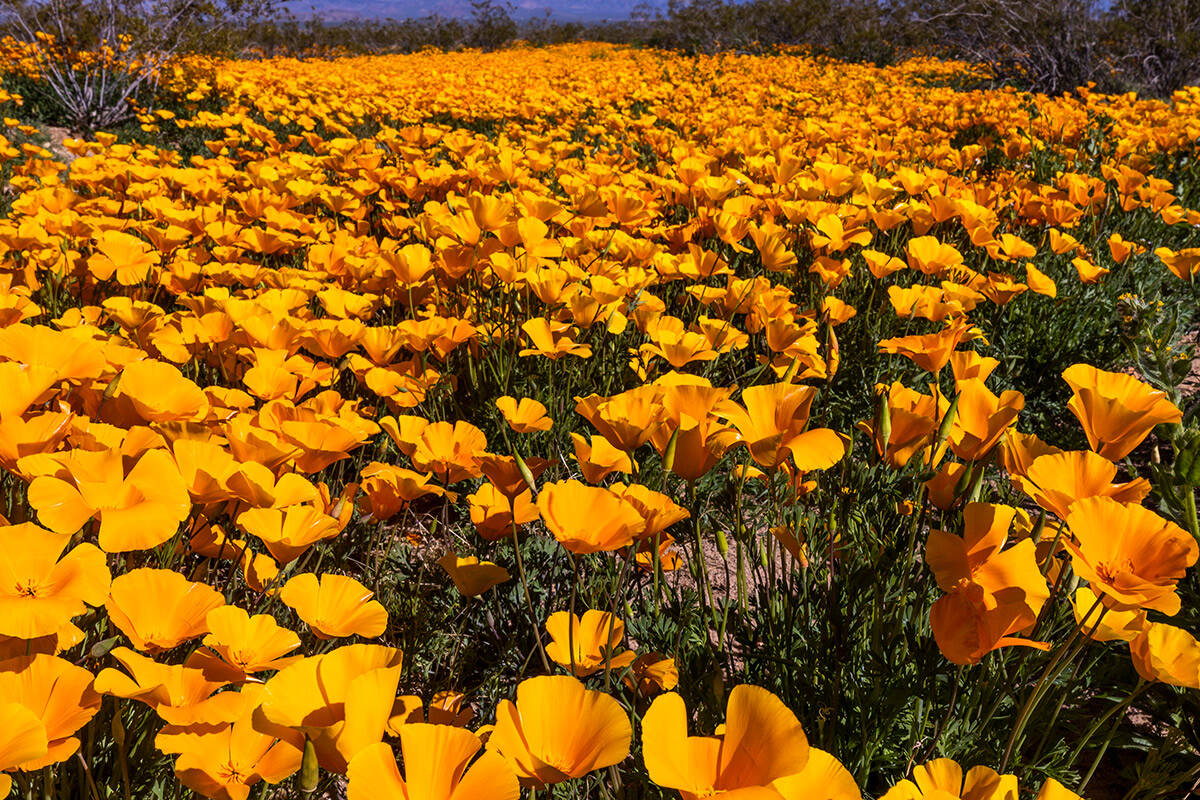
(563, 10)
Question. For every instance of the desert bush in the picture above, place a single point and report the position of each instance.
(97, 61)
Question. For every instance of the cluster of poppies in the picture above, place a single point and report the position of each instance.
(216, 367)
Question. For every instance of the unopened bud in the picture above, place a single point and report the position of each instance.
(832, 353)
(947, 421)
(669, 455)
(310, 773)
(883, 425)
(525, 473)
(791, 371)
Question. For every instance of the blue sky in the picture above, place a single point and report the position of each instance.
(400, 9)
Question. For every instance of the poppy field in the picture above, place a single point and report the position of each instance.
(595, 422)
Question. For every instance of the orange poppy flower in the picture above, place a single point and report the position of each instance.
(967, 364)
(991, 593)
(22, 739)
(445, 708)
(494, 514)
(138, 508)
(651, 674)
(627, 420)
(1129, 554)
(658, 511)
(59, 693)
(436, 759)
(1112, 625)
(926, 254)
(913, 419)
(1018, 450)
(1057, 480)
(558, 729)
(823, 778)
(1053, 790)
(982, 418)
(335, 606)
(288, 532)
(249, 643)
(471, 576)
(450, 450)
(880, 264)
(388, 489)
(277, 374)
(774, 425)
(206, 468)
(181, 694)
(124, 255)
(257, 487)
(251, 442)
(946, 486)
(690, 421)
(222, 761)
(507, 476)
(20, 436)
(926, 302)
(588, 519)
(323, 430)
(332, 338)
(552, 340)
(670, 341)
(524, 416)
(159, 609)
(931, 351)
(340, 700)
(1087, 271)
(1185, 264)
(40, 588)
(762, 742)
(47, 356)
(1167, 654)
(1117, 411)
(158, 392)
(1040, 282)
(586, 646)
(410, 264)
(943, 779)
(597, 458)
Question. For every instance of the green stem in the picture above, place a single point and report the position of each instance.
(1138, 690)
(533, 618)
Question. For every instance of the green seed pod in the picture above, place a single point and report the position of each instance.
(722, 544)
(310, 773)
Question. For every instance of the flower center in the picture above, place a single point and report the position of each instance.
(31, 588)
(1110, 571)
(229, 773)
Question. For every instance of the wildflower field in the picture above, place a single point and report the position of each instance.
(595, 422)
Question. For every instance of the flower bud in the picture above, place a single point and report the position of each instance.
(310, 773)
